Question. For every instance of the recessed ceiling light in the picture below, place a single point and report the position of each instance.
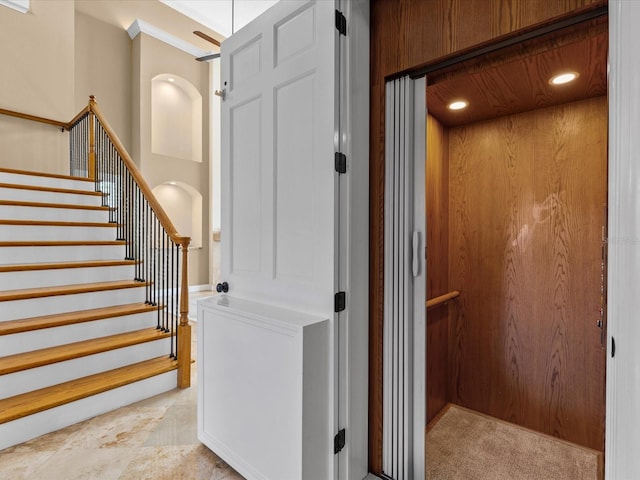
(563, 78)
(171, 79)
(458, 105)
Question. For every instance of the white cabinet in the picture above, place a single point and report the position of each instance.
(263, 389)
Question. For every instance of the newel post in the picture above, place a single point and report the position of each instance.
(184, 329)
(91, 161)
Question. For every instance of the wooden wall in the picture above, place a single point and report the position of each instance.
(406, 34)
(437, 201)
(527, 196)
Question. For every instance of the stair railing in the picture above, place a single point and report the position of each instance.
(160, 252)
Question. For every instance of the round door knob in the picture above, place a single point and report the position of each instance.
(222, 287)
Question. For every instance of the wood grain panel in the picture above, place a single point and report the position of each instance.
(418, 32)
(407, 34)
(526, 211)
(437, 201)
(523, 84)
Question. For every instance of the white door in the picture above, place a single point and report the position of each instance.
(280, 222)
(279, 137)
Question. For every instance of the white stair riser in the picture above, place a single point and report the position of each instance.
(35, 180)
(40, 233)
(48, 375)
(13, 212)
(27, 428)
(50, 337)
(36, 307)
(76, 253)
(59, 277)
(24, 195)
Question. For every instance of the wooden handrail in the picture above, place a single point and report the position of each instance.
(442, 299)
(79, 115)
(184, 329)
(165, 221)
(34, 118)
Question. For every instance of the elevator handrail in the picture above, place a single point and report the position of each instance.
(442, 299)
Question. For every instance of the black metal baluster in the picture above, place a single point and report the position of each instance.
(129, 216)
(85, 140)
(162, 281)
(148, 252)
(139, 229)
(98, 152)
(155, 271)
(134, 225)
(120, 194)
(71, 150)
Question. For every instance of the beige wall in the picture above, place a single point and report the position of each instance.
(36, 52)
(53, 58)
(152, 57)
(37, 58)
(103, 68)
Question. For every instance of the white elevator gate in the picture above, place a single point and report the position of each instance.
(404, 280)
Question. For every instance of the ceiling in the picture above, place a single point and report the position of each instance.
(518, 80)
(178, 17)
(217, 14)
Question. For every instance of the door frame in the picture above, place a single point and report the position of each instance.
(622, 386)
(353, 350)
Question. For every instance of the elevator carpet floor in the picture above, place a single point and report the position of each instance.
(464, 445)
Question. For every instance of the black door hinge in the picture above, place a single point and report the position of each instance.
(341, 162)
(339, 441)
(341, 23)
(340, 302)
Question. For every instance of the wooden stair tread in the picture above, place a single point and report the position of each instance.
(68, 206)
(38, 188)
(44, 174)
(62, 243)
(69, 318)
(53, 223)
(36, 401)
(22, 267)
(61, 353)
(40, 292)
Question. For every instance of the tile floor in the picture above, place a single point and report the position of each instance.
(154, 439)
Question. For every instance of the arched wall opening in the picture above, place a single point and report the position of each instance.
(183, 204)
(176, 118)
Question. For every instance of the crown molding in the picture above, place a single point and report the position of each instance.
(21, 6)
(140, 26)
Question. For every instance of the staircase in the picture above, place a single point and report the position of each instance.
(77, 338)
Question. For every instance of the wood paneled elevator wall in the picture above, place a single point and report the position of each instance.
(526, 198)
(406, 35)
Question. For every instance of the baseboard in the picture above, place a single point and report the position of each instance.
(200, 288)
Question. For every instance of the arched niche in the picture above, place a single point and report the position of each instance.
(183, 204)
(176, 118)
